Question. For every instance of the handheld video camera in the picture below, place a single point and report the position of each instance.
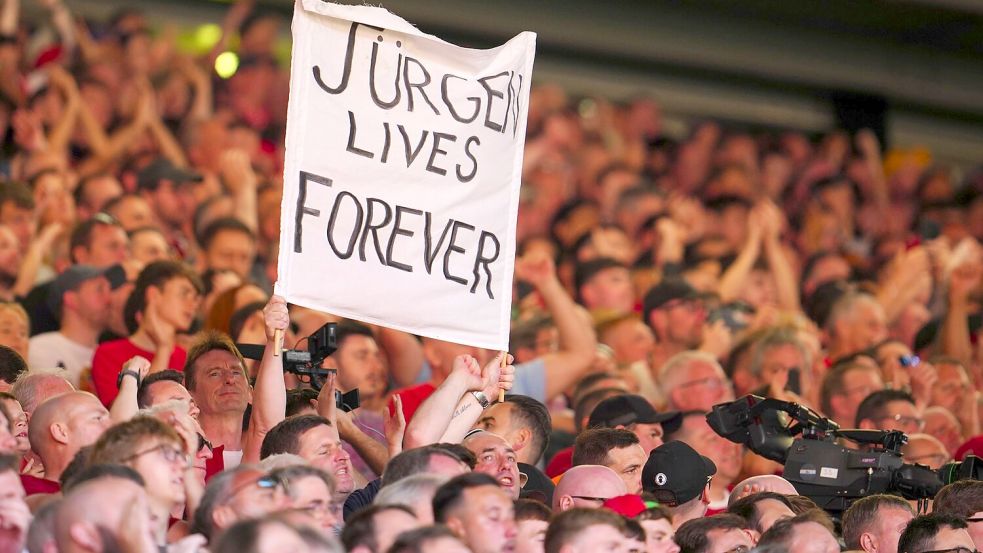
(831, 475)
(306, 364)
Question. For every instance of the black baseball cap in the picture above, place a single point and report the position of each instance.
(666, 291)
(626, 409)
(675, 473)
(161, 168)
(70, 280)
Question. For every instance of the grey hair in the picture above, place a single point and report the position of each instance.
(773, 338)
(409, 490)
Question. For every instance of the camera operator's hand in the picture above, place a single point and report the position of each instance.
(276, 317)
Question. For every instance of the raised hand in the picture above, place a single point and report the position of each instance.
(536, 268)
(276, 317)
(494, 377)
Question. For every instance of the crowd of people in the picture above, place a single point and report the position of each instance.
(656, 277)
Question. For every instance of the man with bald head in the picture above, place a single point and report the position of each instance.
(59, 428)
(34, 388)
(496, 458)
(761, 483)
(97, 515)
(587, 486)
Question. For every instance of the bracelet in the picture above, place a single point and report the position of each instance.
(130, 372)
(481, 398)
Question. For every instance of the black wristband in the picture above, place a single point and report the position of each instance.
(119, 379)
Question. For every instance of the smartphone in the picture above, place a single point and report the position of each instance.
(794, 383)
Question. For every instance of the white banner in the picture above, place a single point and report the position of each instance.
(402, 174)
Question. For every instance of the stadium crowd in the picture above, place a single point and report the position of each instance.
(655, 278)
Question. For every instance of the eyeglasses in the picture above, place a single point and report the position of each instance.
(738, 549)
(974, 519)
(953, 550)
(105, 218)
(905, 420)
(170, 454)
(203, 443)
(263, 483)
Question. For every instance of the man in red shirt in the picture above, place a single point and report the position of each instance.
(59, 428)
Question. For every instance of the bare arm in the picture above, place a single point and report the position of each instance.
(964, 276)
(404, 353)
(28, 273)
(125, 405)
(577, 339)
(61, 133)
(269, 391)
(778, 262)
(239, 177)
(735, 277)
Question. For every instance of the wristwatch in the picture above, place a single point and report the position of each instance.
(481, 398)
(131, 372)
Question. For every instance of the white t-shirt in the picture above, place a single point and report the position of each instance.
(53, 349)
(232, 459)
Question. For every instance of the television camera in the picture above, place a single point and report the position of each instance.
(830, 474)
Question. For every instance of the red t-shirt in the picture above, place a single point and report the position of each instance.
(216, 464)
(561, 462)
(412, 397)
(108, 362)
(34, 485)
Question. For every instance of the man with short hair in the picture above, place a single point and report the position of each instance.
(694, 381)
(311, 490)
(432, 459)
(58, 429)
(99, 242)
(925, 449)
(696, 432)
(414, 492)
(586, 531)
(532, 519)
(677, 315)
(215, 377)
(96, 515)
(164, 386)
(526, 425)
(94, 191)
(374, 529)
(773, 356)
(228, 243)
(936, 532)
(809, 532)
(169, 190)
(844, 387)
(478, 511)
(874, 523)
(889, 410)
(237, 494)
(963, 499)
(855, 323)
(496, 458)
(714, 534)
(80, 298)
(33, 388)
(635, 414)
(159, 454)
(587, 486)
(604, 283)
(618, 450)
(761, 510)
(316, 440)
(679, 478)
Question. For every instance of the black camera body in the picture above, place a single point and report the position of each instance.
(306, 364)
(830, 474)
